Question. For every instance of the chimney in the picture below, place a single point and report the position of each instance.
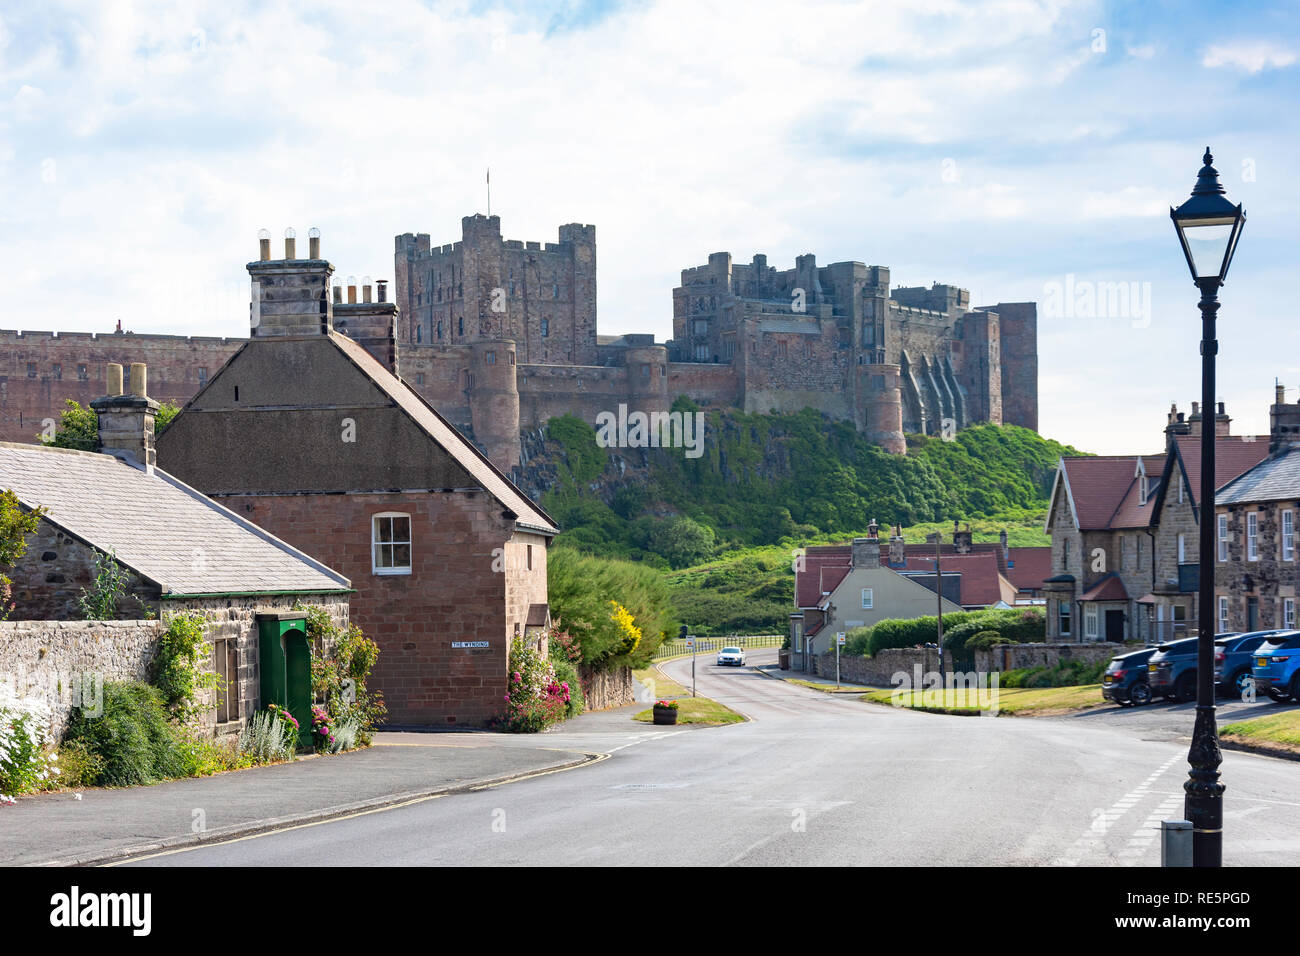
(897, 548)
(866, 553)
(290, 296)
(371, 324)
(1222, 423)
(961, 540)
(126, 421)
(1194, 421)
(1284, 423)
(1002, 540)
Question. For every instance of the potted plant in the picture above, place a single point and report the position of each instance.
(665, 712)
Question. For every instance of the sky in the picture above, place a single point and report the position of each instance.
(1018, 149)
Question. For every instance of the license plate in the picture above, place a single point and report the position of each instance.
(1107, 679)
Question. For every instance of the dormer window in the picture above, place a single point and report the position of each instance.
(1143, 489)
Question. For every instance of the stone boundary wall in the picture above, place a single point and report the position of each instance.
(878, 670)
(49, 659)
(603, 690)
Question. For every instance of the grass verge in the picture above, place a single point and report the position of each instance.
(1279, 732)
(1013, 701)
(697, 710)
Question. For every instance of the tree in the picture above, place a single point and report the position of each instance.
(78, 425)
(682, 541)
(16, 523)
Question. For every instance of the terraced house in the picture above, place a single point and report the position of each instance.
(1124, 535)
(1255, 576)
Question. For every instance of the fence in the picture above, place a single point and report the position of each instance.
(711, 645)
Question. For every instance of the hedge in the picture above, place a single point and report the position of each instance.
(1016, 625)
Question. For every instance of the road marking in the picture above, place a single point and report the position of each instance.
(1138, 845)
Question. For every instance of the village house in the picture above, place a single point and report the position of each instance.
(175, 550)
(1124, 535)
(842, 587)
(1255, 577)
(313, 434)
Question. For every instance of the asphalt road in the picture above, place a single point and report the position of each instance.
(815, 779)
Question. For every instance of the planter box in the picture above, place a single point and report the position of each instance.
(665, 715)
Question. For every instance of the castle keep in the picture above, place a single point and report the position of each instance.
(500, 335)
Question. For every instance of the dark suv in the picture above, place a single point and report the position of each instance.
(1125, 680)
(1171, 672)
(1233, 659)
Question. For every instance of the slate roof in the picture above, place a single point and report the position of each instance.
(1276, 479)
(528, 514)
(1109, 588)
(157, 525)
(980, 585)
(1029, 567)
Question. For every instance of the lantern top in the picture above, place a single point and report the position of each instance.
(1209, 199)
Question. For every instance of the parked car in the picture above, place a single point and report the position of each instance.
(1277, 666)
(1234, 658)
(1172, 668)
(1125, 680)
(731, 655)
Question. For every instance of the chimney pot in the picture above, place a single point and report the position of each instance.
(264, 244)
(139, 380)
(1281, 395)
(114, 379)
(291, 243)
(365, 289)
(382, 285)
(313, 243)
(338, 295)
(352, 289)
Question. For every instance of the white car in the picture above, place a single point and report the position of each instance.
(731, 655)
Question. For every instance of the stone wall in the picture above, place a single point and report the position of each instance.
(878, 670)
(50, 659)
(603, 689)
(48, 580)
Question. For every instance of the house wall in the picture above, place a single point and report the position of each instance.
(1270, 578)
(48, 580)
(452, 595)
(893, 596)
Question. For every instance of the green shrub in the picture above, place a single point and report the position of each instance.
(132, 737)
(537, 698)
(266, 738)
(341, 664)
(1066, 673)
(986, 639)
(25, 764)
(79, 765)
(567, 673)
(179, 670)
(581, 590)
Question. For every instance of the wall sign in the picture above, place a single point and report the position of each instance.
(470, 644)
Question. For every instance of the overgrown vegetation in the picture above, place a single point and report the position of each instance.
(179, 670)
(101, 601)
(133, 739)
(342, 660)
(16, 523)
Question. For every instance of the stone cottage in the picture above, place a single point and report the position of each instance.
(312, 434)
(177, 551)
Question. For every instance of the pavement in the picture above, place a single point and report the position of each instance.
(102, 825)
(814, 778)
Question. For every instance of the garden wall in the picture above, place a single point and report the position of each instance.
(603, 689)
(878, 670)
(50, 659)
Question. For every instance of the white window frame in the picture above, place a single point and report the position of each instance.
(1252, 535)
(1223, 537)
(393, 542)
(1090, 620)
(1182, 549)
(1288, 535)
(868, 599)
(1288, 613)
(1223, 614)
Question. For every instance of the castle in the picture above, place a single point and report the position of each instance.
(500, 336)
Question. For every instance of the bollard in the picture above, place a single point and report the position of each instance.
(1175, 843)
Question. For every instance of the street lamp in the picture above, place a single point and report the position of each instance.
(1208, 227)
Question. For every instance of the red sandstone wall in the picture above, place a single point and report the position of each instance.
(452, 594)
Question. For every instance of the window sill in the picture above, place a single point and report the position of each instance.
(386, 572)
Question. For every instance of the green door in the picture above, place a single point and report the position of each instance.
(297, 661)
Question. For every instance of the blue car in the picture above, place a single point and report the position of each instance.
(1171, 672)
(1277, 666)
(1125, 680)
(1234, 656)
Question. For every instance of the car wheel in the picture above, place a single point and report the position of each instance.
(1185, 689)
(1140, 694)
(1279, 697)
(1240, 683)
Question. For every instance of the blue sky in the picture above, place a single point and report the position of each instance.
(1008, 147)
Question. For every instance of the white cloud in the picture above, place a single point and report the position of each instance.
(1251, 56)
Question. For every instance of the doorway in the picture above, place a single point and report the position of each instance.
(1115, 626)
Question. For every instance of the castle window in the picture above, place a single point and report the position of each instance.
(645, 371)
(546, 328)
(460, 289)
(512, 357)
(203, 377)
(781, 350)
(490, 358)
(530, 557)
(83, 373)
(555, 291)
(701, 353)
(419, 378)
(439, 331)
(419, 333)
(390, 535)
(512, 288)
(460, 325)
(439, 293)
(31, 369)
(58, 372)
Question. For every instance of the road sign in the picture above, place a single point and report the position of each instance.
(690, 642)
(839, 638)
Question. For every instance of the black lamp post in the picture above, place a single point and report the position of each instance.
(1208, 228)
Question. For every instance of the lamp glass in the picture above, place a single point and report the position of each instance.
(1207, 244)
